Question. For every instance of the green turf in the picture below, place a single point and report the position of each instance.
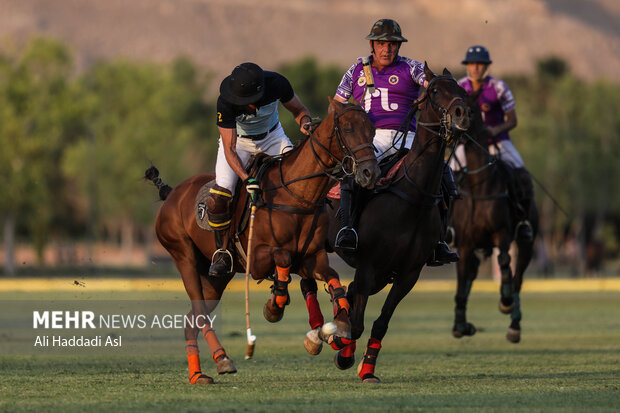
(568, 360)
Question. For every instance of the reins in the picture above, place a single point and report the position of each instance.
(332, 172)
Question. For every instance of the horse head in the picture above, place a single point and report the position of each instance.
(446, 104)
(353, 132)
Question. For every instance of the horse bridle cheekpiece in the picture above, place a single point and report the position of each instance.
(446, 127)
(348, 165)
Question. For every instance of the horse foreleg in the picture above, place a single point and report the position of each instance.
(314, 340)
(467, 271)
(274, 307)
(506, 303)
(401, 287)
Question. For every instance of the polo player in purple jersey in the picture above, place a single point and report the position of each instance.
(498, 112)
(386, 85)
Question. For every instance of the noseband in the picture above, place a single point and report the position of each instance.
(349, 163)
(444, 118)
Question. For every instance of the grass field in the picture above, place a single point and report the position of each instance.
(568, 360)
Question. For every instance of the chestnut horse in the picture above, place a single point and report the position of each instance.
(399, 225)
(485, 218)
(290, 226)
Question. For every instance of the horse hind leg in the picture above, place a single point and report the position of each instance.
(524, 256)
(273, 310)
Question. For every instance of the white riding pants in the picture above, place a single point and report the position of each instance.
(275, 143)
(384, 144)
(507, 153)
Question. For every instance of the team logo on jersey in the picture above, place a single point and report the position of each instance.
(485, 107)
(361, 81)
(393, 80)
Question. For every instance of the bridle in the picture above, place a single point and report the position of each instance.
(443, 128)
(345, 166)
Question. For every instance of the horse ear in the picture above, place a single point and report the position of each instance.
(428, 72)
(446, 72)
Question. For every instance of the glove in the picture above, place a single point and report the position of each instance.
(253, 188)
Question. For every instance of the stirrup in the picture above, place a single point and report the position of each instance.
(450, 237)
(346, 248)
(226, 252)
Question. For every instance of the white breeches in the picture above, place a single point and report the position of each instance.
(383, 142)
(507, 153)
(275, 143)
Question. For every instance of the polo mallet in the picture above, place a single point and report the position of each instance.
(251, 338)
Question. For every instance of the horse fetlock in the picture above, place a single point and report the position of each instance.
(506, 305)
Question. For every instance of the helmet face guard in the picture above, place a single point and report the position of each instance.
(387, 30)
(477, 54)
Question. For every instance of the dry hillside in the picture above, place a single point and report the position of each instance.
(218, 34)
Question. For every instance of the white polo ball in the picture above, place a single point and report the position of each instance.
(328, 329)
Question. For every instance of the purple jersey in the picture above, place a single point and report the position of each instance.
(494, 101)
(396, 88)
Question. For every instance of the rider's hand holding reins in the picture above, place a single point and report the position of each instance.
(253, 188)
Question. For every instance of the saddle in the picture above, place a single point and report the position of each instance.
(256, 168)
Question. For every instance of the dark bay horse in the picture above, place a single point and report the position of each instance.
(290, 226)
(485, 218)
(399, 226)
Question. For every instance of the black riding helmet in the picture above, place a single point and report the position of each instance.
(477, 54)
(387, 30)
(244, 86)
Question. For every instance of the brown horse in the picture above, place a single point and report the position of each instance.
(485, 218)
(290, 225)
(399, 225)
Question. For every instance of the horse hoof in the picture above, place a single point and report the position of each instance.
(344, 363)
(460, 331)
(225, 365)
(203, 379)
(514, 336)
(343, 325)
(273, 314)
(312, 342)
(370, 378)
(506, 309)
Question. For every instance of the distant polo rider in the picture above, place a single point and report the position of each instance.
(247, 118)
(387, 85)
(498, 111)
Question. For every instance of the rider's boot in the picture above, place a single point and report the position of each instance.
(524, 195)
(219, 216)
(442, 253)
(346, 239)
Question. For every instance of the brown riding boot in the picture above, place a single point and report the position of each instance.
(219, 216)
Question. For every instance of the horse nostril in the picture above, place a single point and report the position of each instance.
(458, 112)
(367, 173)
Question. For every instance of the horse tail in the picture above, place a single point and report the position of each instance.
(152, 174)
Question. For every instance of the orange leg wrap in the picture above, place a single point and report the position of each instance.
(337, 292)
(193, 360)
(283, 275)
(217, 350)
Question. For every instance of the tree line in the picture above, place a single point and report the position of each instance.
(74, 146)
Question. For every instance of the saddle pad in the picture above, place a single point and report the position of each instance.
(390, 175)
(201, 206)
(334, 193)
